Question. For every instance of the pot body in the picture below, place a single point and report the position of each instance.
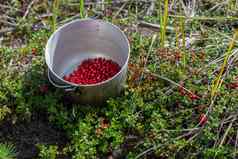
(79, 40)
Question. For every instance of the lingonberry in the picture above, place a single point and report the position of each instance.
(233, 85)
(193, 96)
(92, 71)
(202, 119)
(43, 88)
(33, 51)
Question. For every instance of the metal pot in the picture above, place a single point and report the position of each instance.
(78, 40)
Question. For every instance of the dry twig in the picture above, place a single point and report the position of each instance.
(28, 9)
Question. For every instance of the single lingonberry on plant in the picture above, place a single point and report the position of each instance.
(203, 119)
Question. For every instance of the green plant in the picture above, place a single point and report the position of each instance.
(216, 84)
(47, 152)
(182, 30)
(82, 11)
(163, 23)
(4, 111)
(7, 151)
(157, 115)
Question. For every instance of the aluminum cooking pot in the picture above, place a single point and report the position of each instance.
(79, 40)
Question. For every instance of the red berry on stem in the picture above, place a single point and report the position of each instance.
(203, 119)
(182, 91)
(233, 85)
(193, 96)
(33, 51)
(43, 88)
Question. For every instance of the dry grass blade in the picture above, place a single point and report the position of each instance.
(219, 131)
(5, 30)
(203, 18)
(29, 8)
(156, 26)
(8, 23)
(182, 30)
(222, 34)
(169, 80)
(7, 17)
(118, 12)
(145, 152)
(151, 8)
(148, 54)
(189, 9)
(217, 82)
(8, 7)
(236, 142)
(87, 3)
(226, 133)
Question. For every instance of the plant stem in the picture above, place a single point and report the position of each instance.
(82, 9)
(227, 131)
(218, 81)
(182, 30)
(164, 22)
(176, 34)
(55, 14)
(205, 18)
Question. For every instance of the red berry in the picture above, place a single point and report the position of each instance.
(202, 119)
(193, 96)
(43, 88)
(92, 71)
(233, 85)
(33, 51)
(182, 92)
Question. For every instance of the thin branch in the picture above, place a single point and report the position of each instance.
(203, 18)
(145, 152)
(9, 7)
(226, 133)
(151, 8)
(8, 23)
(236, 141)
(118, 12)
(5, 30)
(156, 26)
(28, 9)
(169, 80)
(181, 130)
(7, 17)
(222, 34)
(69, 19)
(148, 54)
(107, 2)
(46, 15)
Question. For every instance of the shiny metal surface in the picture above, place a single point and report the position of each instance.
(78, 40)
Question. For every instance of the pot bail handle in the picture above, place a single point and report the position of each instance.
(65, 87)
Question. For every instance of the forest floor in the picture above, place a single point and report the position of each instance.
(180, 99)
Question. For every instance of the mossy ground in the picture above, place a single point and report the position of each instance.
(167, 91)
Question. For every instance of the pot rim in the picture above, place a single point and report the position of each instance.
(96, 84)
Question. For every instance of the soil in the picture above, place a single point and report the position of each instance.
(25, 135)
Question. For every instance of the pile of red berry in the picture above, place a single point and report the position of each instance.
(92, 71)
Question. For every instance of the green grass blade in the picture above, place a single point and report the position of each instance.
(218, 80)
(82, 14)
(55, 14)
(163, 23)
(7, 151)
(182, 30)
